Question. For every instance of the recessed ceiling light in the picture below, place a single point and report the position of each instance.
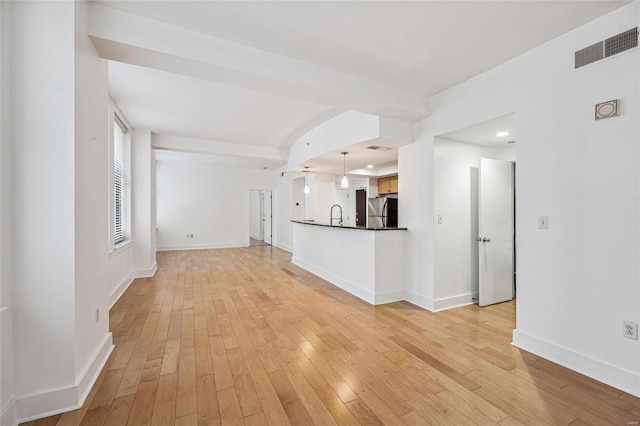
(502, 134)
(370, 166)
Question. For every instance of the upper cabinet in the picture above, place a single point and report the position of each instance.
(388, 185)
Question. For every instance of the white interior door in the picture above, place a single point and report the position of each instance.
(495, 238)
(266, 216)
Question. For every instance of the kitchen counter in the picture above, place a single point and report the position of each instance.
(363, 228)
(369, 265)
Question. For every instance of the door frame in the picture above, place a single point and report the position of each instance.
(260, 191)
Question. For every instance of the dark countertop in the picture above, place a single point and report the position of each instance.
(362, 228)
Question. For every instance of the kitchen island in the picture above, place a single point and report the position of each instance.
(366, 262)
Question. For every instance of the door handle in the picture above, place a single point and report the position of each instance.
(486, 240)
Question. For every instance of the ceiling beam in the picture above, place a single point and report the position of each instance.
(199, 146)
(129, 38)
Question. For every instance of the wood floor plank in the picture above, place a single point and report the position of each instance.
(242, 336)
(296, 412)
(143, 405)
(208, 409)
(165, 402)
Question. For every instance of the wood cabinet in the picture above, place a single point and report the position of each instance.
(388, 185)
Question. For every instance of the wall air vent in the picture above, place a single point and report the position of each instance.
(621, 42)
(589, 55)
(378, 148)
(606, 48)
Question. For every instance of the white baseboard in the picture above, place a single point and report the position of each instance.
(454, 301)
(146, 273)
(347, 286)
(124, 285)
(52, 402)
(9, 415)
(93, 369)
(202, 246)
(119, 291)
(619, 378)
(389, 297)
(419, 300)
(284, 247)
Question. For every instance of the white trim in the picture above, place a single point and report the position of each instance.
(389, 297)
(284, 247)
(9, 415)
(119, 291)
(619, 378)
(347, 286)
(419, 300)
(44, 404)
(93, 368)
(202, 246)
(122, 246)
(146, 273)
(454, 301)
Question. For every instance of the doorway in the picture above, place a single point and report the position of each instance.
(260, 217)
(474, 213)
(361, 207)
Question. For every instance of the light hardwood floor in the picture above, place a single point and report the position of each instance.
(242, 336)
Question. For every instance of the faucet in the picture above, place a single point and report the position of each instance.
(331, 215)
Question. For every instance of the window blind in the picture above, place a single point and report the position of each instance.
(118, 180)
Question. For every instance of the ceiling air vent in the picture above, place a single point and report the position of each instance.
(378, 148)
(609, 47)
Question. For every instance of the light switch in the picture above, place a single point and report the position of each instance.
(543, 222)
(439, 219)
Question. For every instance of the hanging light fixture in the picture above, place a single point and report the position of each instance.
(307, 190)
(345, 182)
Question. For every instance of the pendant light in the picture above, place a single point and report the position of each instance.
(307, 190)
(345, 182)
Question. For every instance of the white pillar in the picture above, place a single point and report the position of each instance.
(143, 203)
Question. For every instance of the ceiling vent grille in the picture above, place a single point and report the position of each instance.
(609, 47)
(378, 148)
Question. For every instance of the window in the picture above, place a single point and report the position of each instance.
(120, 183)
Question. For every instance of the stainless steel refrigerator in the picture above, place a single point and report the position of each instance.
(382, 212)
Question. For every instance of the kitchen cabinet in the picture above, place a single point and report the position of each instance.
(388, 185)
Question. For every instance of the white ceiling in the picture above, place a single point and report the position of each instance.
(174, 104)
(357, 158)
(287, 64)
(485, 133)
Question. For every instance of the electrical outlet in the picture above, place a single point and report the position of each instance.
(630, 330)
(439, 218)
(543, 222)
(97, 315)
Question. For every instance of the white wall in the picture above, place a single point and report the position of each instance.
(142, 200)
(121, 265)
(578, 280)
(456, 166)
(91, 201)
(208, 201)
(255, 214)
(288, 191)
(323, 195)
(61, 262)
(6, 228)
(346, 129)
(44, 255)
